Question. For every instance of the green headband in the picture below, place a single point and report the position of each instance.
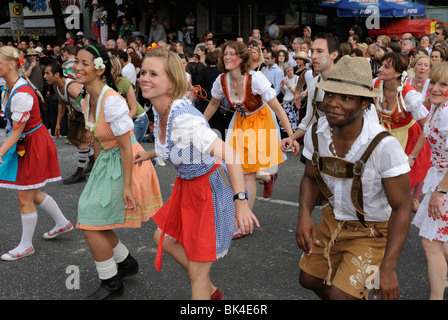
(96, 50)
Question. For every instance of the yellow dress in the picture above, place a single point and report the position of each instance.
(253, 131)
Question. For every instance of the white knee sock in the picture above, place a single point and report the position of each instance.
(51, 207)
(120, 252)
(106, 269)
(29, 222)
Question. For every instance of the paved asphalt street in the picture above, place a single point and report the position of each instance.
(263, 266)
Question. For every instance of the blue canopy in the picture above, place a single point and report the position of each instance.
(383, 8)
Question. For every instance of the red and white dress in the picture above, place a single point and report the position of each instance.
(436, 132)
(39, 165)
(402, 123)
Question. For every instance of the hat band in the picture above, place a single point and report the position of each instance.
(352, 82)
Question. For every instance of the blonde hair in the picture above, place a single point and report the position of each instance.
(439, 72)
(385, 40)
(12, 54)
(174, 69)
(115, 63)
(260, 55)
(421, 56)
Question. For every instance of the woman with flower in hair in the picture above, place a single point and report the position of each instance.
(117, 194)
(28, 157)
(401, 111)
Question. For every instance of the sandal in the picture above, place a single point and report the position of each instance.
(415, 205)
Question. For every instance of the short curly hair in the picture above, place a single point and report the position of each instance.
(241, 51)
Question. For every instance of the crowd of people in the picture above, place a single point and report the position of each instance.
(366, 114)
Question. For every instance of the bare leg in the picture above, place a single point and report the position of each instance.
(177, 252)
(323, 291)
(437, 267)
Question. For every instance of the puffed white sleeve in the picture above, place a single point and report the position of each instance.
(116, 113)
(187, 129)
(21, 105)
(414, 104)
(262, 86)
(217, 91)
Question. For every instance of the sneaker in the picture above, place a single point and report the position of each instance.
(269, 186)
(12, 256)
(238, 234)
(54, 233)
(160, 162)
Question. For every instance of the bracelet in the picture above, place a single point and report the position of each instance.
(440, 190)
(1, 154)
(412, 157)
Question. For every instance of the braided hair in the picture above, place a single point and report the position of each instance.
(99, 51)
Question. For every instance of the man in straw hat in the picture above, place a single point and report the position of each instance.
(33, 69)
(324, 54)
(360, 171)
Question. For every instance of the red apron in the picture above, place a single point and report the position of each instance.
(188, 216)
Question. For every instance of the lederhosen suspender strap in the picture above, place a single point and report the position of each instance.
(343, 169)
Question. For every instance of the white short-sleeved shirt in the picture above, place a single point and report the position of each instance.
(386, 161)
(260, 86)
(116, 113)
(21, 103)
(186, 130)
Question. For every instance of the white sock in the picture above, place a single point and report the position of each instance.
(29, 222)
(51, 207)
(106, 269)
(120, 252)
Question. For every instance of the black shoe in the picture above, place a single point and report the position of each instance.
(128, 267)
(74, 179)
(109, 288)
(89, 167)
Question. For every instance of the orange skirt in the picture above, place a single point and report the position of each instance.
(256, 138)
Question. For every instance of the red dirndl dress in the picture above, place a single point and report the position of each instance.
(402, 125)
(39, 164)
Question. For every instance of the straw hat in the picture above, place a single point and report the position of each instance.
(352, 76)
(302, 55)
(32, 52)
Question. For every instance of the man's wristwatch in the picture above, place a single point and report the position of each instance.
(240, 196)
(440, 190)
